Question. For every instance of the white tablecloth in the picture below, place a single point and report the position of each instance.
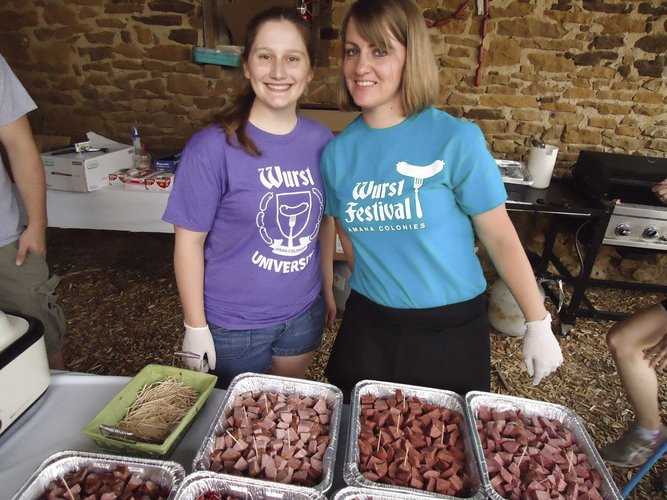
(108, 208)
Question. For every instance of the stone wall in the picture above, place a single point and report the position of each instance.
(579, 74)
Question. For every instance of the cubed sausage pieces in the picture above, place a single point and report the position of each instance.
(534, 457)
(408, 442)
(274, 436)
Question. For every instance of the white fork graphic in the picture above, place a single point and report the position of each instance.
(291, 214)
(418, 182)
(418, 174)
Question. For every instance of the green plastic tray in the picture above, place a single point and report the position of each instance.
(115, 410)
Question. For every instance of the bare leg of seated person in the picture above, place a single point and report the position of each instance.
(627, 341)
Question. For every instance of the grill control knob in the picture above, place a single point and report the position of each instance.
(622, 230)
(650, 232)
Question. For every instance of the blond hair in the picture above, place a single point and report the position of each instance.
(378, 21)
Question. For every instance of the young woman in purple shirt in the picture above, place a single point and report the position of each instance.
(253, 254)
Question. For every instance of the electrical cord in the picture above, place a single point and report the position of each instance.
(577, 249)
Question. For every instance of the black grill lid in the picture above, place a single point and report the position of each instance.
(619, 176)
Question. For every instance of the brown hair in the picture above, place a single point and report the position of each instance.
(378, 21)
(234, 118)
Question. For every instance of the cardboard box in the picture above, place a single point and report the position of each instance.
(86, 171)
(167, 163)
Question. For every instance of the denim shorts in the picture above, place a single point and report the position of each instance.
(239, 351)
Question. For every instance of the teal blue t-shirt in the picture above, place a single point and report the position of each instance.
(405, 195)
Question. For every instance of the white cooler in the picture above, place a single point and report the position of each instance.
(24, 366)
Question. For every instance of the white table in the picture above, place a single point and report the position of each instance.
(55, 422)
(108, 208)
(115, 209)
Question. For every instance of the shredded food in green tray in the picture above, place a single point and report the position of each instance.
(158, 409)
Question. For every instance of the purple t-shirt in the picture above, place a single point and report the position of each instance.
(262, 215)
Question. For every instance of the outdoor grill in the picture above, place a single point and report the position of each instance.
(613, 196)
(638, 218)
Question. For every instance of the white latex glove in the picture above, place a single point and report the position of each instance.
(541, 350)
(199, 341)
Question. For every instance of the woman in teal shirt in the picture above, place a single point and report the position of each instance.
(410, 187)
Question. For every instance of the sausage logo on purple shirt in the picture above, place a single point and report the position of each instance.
(293, 231)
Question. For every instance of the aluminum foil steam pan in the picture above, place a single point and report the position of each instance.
(438, 397)
(514, 172)
(359, 493)
(245, 488)
(252, 382)
(570, 420)
(167, 474)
